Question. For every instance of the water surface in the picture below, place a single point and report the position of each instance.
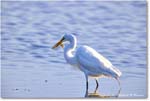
(31, 69)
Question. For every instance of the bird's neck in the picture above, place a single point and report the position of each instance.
(69, 52)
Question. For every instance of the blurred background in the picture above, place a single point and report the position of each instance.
(31, 69)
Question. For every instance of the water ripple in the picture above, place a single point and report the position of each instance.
(117, 30)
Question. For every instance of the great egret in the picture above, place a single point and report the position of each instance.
(87, 60)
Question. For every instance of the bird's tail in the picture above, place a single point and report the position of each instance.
(117, 72)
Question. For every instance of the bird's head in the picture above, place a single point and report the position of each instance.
(66, 37)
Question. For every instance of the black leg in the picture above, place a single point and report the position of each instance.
(96, 85)
(86, 94)
(87, 85)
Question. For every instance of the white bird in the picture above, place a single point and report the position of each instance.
(87, 60)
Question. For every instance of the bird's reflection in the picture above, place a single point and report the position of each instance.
(97, 94)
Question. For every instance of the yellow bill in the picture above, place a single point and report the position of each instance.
(59, 43)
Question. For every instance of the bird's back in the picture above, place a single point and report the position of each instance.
(94, 63)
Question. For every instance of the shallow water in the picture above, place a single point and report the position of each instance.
(31, 69)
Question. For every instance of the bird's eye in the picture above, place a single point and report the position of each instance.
(63, 38)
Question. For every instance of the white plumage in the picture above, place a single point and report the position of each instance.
(87, 60)
(94, 64)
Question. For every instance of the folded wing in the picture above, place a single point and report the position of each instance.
(94, 63)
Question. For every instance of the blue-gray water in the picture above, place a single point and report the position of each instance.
(31, 69)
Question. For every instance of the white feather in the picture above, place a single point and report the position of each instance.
(94, 64)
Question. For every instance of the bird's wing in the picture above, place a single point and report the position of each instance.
(93, 61)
